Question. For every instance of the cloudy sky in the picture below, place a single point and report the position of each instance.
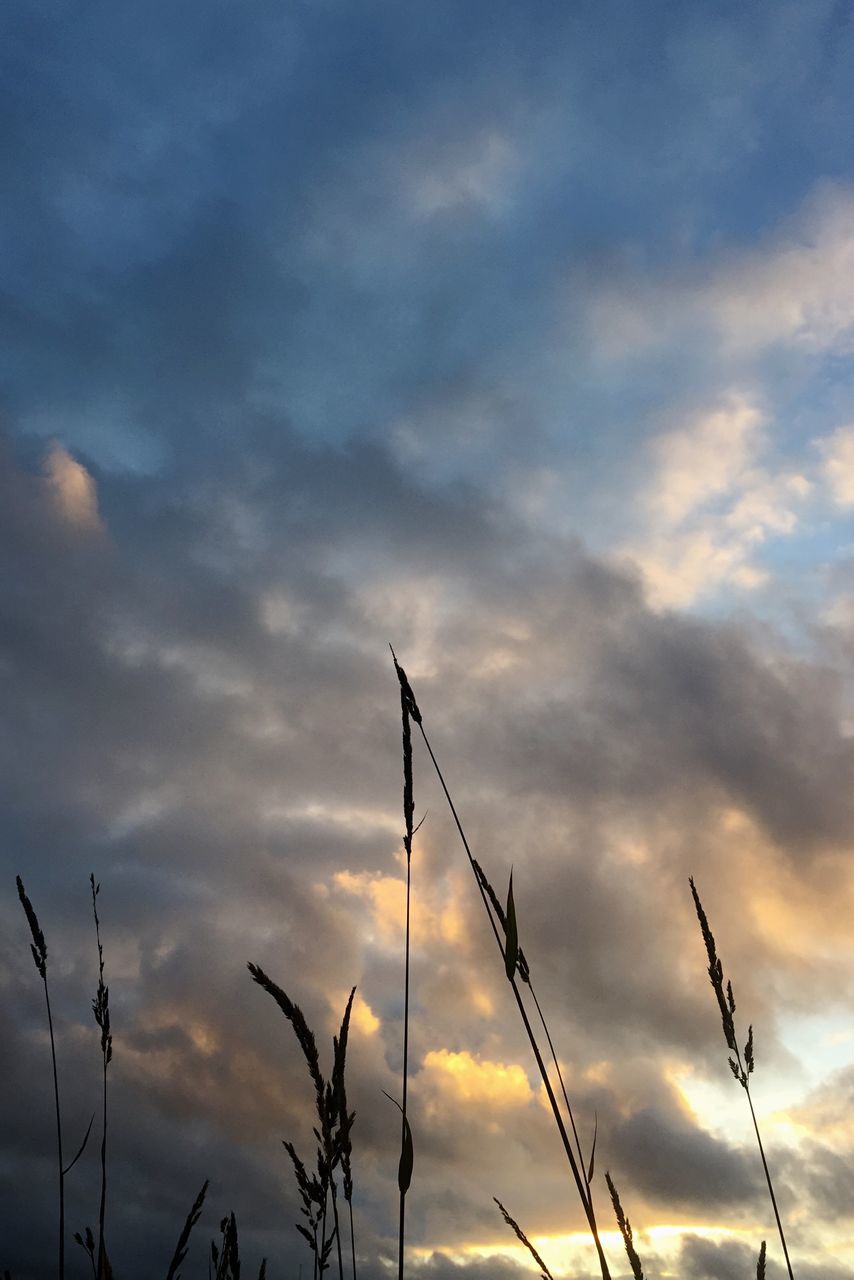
(520, 336)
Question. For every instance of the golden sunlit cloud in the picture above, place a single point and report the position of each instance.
(470, 1079)
(386, 898)
(362, 1017)
(72, 489)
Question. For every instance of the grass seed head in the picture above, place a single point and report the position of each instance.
(625, 1230)
(520, 1235)
(726, 1002)
(407, 696)
(760, 1263)
(38, 945)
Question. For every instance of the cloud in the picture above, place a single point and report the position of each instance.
(313, 306)
(792, 291)
(72, 490)
(837, 453)
(710, 503)
(235, 787)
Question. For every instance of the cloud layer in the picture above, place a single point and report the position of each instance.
(512, 339)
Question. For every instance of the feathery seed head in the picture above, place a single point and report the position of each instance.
(520, 1235)
(760, 1263)
(726, 1003)
(748, 1051)
(407, 696)
(625, 1230)
(38, 945)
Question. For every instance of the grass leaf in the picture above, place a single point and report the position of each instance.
(407, 1154)
(593, 1148)
(69, 1167)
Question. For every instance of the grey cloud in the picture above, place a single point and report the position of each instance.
(705, 1260)
(128, 756)
(221, 301)
(675, 1163)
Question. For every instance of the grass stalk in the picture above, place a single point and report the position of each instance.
(334, 1191)
(101, 1010)
(352, 1238)
(38, 947)
(332, 1131)
(742, 1069)
(545, 1274)
(406, 704)
(625, 1231)
(577, 1174)
(525, 975)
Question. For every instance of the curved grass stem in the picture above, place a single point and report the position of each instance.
(578, 1175)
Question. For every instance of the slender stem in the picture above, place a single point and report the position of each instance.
(58, 1135)
(323, 1233)
(744, 1076)
(588, 1209)
(768, 1180)
(337, 1228)
(579, 1181)
(103, 1205)
(402, 1223)
(352, 1237)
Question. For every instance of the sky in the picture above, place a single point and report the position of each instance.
(520, 336)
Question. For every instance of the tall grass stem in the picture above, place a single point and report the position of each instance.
(577, 1176)
(38, 947)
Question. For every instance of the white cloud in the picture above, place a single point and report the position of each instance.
(709, 504)
(838, 464)
(795, 290)
(702, 460)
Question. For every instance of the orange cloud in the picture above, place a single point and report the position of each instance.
(72, 489)
(466, 1078)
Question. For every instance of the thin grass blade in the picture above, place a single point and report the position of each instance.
(69, 1167)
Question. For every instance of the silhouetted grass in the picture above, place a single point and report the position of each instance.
(741, 1070)
(625, 1230)
(101, 1010)
(520, 1235)
(333, 1121)
(407, 705)
(509, 951)
(95, 1247)
(184, 1238)
(334, 1124)
(38, 947)
(760, 1263)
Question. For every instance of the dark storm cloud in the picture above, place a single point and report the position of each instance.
(730, 1260)
(707, 1260)
(677, 1164)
